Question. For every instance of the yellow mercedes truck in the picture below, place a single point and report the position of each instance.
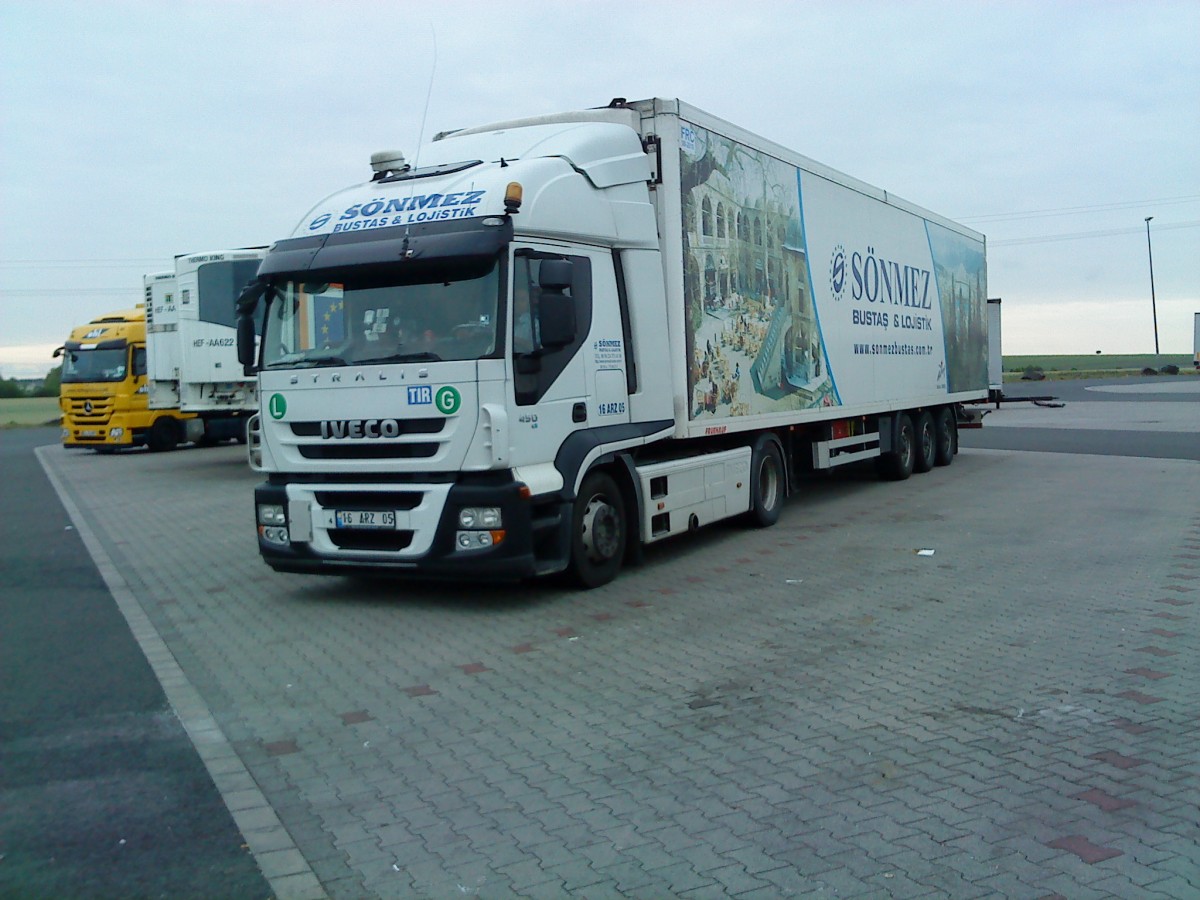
(105, 397)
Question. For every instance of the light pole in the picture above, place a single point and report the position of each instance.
(1153, 305)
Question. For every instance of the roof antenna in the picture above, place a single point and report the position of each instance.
(412, 185)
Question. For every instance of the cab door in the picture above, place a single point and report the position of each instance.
(556, 390)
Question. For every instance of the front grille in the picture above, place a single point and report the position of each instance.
(404, 426)
(371, 540)
(90, 410)
(369, 500)
(367, 451)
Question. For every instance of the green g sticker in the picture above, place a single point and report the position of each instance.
(447, 400)
(277, 406)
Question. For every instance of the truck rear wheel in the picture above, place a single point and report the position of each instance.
(767, 482)
(164, 435)
(598, 531)
(897, 463)
(926, 443)
(947, 436)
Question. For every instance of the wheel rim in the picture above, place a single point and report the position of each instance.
(768, 483)
(927, 438)
(601, 531)
(906, 446)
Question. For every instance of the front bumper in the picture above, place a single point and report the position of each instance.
(424, 543)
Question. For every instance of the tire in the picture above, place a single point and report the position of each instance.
(947, 436)
(768, 482)
(164, 435)
(926, 443)
(897, 463)
(598, 531)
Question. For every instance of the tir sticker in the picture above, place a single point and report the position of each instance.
(420, 395)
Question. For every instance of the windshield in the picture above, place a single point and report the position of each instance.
(95, 365)
(360, 318)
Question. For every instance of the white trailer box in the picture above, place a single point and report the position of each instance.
(550, 341)
(191, 340)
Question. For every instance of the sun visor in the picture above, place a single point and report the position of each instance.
(440, 242)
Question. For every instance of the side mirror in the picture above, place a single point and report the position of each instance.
(556, 311)
(556, 320)
(245, 342)
(58, 352)
(555, 274)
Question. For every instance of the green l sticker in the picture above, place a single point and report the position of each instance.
(277, 406)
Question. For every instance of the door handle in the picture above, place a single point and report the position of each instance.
(579, 412)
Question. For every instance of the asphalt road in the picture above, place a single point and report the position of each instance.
(102, 793)
(1155, 417)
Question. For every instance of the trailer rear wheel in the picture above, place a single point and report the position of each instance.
(897, 463)
(947, 436)
(767, 482)
(926, 443)
(598, 531)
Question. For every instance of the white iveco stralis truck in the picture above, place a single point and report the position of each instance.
(548, 342)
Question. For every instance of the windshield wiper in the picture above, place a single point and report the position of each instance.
(423, 356)
(309, 363)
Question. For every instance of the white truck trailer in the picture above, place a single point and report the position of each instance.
(191, 354)
(549, 342)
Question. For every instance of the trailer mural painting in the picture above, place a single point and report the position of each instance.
(755, 339)
(961, 274)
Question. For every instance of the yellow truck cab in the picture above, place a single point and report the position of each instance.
(105, 394)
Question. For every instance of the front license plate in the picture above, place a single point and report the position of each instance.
(360, 518)
(89, 432)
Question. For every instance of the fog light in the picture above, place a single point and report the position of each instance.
(477, 540)
(271, 514)
(66, 434)
(273, 534)
(116, 432)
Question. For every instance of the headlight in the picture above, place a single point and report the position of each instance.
(487, 517)
(271, 514)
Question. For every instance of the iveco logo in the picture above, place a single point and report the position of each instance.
(361, 428)
(87, 407)
(837, 272)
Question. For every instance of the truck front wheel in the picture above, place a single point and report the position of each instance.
(598, 531)
(164, 435)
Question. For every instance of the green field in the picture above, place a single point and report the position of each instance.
(23, 411)
(1095, 365)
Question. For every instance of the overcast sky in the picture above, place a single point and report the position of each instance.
(136, 131)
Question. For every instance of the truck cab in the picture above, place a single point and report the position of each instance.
(104, 395)
(446, 348)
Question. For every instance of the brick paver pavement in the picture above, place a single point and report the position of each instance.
(812, 707)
